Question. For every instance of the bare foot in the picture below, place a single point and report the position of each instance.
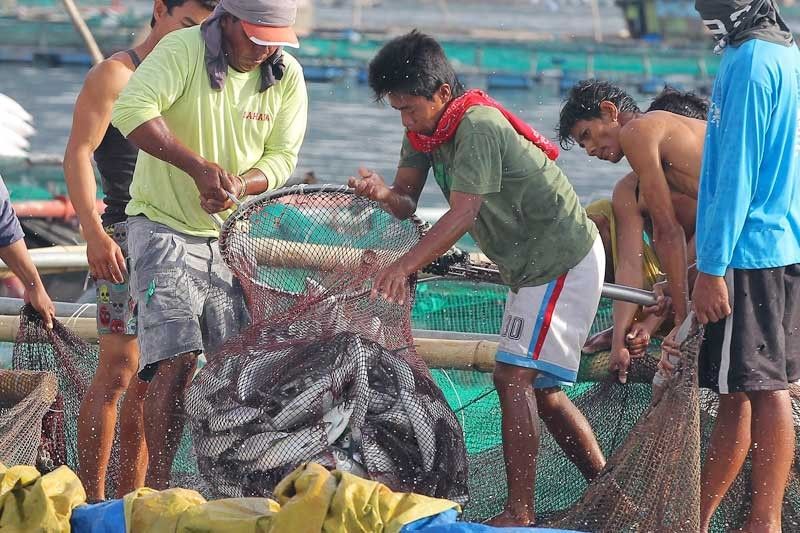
(507, 519)
(599, 342)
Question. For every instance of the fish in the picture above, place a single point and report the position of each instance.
(336, 421)
(344, 463)
(294, 448)
(255, 446)
(357, 351)
(303, 405)
(196, 403)
(401, 371)
(376, 459)
(397, 416)
(233, 418)
(256, 373)
(214, 445)
(424, 431)
(379, 402)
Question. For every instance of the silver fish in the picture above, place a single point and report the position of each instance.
(397, 416)
(302, 405)
(223, 421)
(196, 403)
(253, 447)
(423, 428)
(214, 445)
(379, 402)
(402, 372)
(376, 459)
(345, 463)
(295, 448)
(336, 421)
(360, 391)
(256, 373)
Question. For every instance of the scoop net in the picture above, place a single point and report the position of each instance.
(324, 372)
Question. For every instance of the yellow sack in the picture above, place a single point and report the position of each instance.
(31, 503)
(235, 515)
(186, 511)
(157, 511)
(313, 499)
(310, 499)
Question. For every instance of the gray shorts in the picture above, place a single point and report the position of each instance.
(187, 298)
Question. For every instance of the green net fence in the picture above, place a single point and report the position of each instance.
(456, 305)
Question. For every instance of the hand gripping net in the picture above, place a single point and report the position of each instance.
(66, 364)
(324, 373)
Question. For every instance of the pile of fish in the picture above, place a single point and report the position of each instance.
(269, 402)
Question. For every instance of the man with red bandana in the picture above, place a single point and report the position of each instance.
(503, 187)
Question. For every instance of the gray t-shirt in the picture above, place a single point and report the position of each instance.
(10, 228)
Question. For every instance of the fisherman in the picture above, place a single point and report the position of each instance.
(15, 255)
(748, 249)
(216, 110)
(106, 251)
(626, 228)
(664, 151)
(503, 186)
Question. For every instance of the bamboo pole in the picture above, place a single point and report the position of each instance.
(85, 328)
(83, 30)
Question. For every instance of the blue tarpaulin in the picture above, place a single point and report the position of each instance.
(104, 517)
(446, 522)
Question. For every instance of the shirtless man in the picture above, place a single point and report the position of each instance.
(665, 152)
(626, 228)
(106, 250)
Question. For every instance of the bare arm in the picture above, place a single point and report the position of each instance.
(155, 138)
(392, 281)
(18, 259)
(445, 232)
(91, 119)
(642, 147)
(630, 250)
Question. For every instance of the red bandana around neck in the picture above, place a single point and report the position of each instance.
(453, 114)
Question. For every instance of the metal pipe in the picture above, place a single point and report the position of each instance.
(56, 259)
(10, 306)
(628, 294)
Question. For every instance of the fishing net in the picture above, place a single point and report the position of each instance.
(61, 352)
(25, 399)
(324, 373)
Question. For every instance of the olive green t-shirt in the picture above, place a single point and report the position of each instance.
(531, 223)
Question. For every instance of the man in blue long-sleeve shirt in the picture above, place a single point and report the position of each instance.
(748, 249)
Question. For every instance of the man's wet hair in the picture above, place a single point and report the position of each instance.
(583, 103)
(172, 4)
(413, 64)
(687, 104)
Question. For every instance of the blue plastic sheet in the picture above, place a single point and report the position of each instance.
(104, 517)
(446, 522)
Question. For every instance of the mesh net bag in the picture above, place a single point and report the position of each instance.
(72, 361)
(324, 372)
(659, 460)
(25, 399)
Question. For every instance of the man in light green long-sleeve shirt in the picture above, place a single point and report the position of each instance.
(214, 110)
